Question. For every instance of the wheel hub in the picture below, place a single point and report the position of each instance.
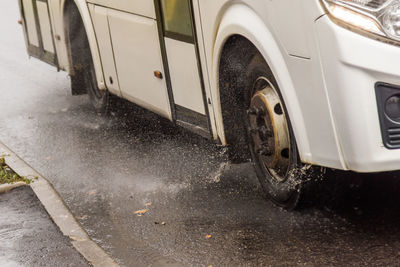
(268, 130)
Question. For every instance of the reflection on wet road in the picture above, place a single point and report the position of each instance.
(199, 212)
(28, 236)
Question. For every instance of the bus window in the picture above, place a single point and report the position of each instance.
(176, 18)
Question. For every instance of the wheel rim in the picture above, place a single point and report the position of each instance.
(269, 130)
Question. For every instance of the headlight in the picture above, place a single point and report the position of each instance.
(379, 17)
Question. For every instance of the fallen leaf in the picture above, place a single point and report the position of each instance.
(141, 212)
(83, 217)
(208, 236)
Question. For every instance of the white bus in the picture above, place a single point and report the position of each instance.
(285, 83)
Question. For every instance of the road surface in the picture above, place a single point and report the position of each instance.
(106, 169)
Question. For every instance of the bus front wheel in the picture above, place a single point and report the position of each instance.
(270, 138)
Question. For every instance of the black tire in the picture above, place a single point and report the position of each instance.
(84, 75)
(285, 184)
(100, 99)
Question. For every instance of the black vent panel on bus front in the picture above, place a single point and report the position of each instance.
(388, 100)
(394, 136)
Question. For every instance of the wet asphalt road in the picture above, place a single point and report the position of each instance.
(28, 236)
(107, 168)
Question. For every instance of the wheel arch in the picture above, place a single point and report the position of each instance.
(239, 20)
(83, 9)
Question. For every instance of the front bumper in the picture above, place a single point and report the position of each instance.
(352, 65)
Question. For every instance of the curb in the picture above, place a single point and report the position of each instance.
(57, 210)
(4, 188)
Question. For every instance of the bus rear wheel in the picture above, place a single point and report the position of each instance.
(271, 140)
(99, 99)
(83, 79)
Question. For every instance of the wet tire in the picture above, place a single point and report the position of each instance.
(83, 78)
(271, 139)
(100, 99)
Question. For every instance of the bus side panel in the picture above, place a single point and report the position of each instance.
(31, 34)
(186, 85)
(143, 8)
(45, 26)
(38, 31)
(137, 54)
(100, 23)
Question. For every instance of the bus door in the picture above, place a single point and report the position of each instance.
(183, 69)
(37, 29)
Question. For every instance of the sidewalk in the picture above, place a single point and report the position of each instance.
(28, 236)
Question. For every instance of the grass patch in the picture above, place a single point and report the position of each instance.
(8, 176)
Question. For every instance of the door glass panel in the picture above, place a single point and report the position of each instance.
(177, 18)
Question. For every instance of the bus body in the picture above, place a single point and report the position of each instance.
(333, 61)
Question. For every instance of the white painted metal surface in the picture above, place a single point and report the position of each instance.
(57, 25)
(100, 22)
(204, 66)
(137, 55)
(30, 23)
(185, 80)
(139, 7)
(290, 26)
(45, 27)
(352, 65)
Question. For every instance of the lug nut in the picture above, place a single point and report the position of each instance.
(256, 112)
(262, 130)
(253, 130)
(256, 130)
(265, 131)
(265, 151)
(252, 111)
